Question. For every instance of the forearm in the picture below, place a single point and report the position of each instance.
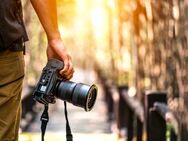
(47, 13)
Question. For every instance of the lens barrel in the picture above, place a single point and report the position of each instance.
(78, 94)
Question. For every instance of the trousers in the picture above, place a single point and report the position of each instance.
(11, 81)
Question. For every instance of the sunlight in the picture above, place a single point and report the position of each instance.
(113, 44)
(99, 21)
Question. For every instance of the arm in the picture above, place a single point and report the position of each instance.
(47, 13)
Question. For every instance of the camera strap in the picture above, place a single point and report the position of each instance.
(45, 118)
(68, 129)
(44, 121)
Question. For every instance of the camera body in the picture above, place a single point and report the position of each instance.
(51, 86)
(44, 90)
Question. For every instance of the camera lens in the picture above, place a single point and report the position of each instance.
(92, 95)
(78, 94)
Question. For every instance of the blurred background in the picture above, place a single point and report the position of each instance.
(131, 49)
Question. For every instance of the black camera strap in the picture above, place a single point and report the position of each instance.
(68, 129)
(44, 121)
(45, 118)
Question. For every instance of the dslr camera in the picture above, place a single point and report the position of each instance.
(51, 86)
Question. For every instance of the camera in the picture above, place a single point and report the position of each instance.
(51, 86)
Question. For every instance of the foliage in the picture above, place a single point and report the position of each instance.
(132, 42)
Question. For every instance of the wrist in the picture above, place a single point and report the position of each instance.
(53, 36)
(56, 43)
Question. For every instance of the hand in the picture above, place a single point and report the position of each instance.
(57, 50)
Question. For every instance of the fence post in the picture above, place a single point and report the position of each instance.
(139, 130)
(126, 115)
(157, 126)
(150, 98)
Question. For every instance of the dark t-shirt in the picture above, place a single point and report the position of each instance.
(11, 23)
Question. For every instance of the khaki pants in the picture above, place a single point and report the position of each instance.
(11, 78)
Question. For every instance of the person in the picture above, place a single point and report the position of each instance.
(12, 38)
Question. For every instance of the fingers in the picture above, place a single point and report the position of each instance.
(68, 70)
(58, 51)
